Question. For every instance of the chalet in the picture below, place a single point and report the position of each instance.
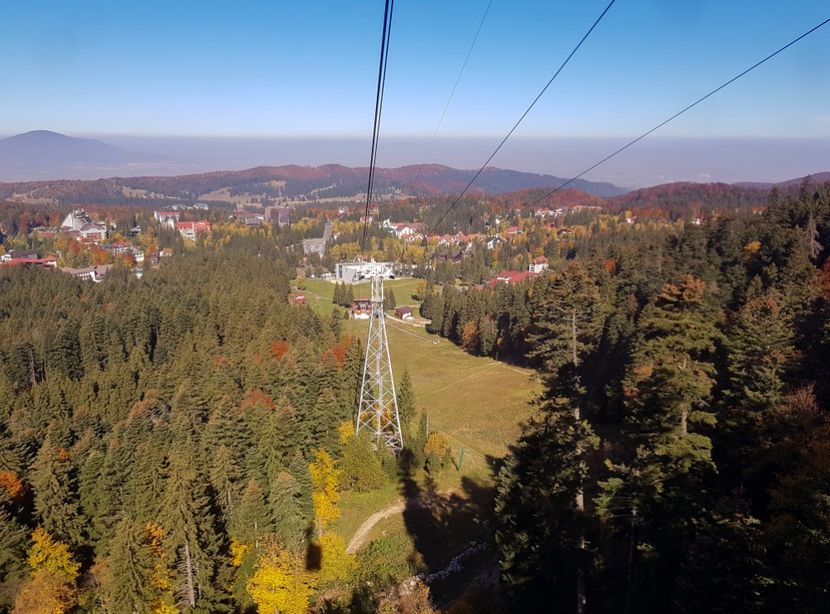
(93, 273)
(191, 230)
(511, 278)
(404, 313)
(361, 308)
(539, 265)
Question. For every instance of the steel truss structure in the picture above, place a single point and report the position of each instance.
(377, 410)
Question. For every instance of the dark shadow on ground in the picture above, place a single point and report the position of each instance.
(445, 525)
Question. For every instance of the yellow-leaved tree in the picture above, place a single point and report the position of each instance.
(281, 583)
(336, 565)
(51, 587)
(325, 479)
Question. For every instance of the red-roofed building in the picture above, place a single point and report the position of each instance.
(361, 308)
(191, 230)
(49, 262)
(539, 265)
(511, 277)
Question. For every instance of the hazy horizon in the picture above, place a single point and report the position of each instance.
(654, 161)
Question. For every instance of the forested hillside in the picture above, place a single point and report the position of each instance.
(160, 437)
(678, 460)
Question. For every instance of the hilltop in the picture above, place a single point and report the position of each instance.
(45, 154)
(287, 183)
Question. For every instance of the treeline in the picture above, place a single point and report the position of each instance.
(678, 460)
(172, 443)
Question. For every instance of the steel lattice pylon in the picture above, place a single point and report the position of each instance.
(377, 410)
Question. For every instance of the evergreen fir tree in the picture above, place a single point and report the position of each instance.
(406, 399)
(189, 538)
(128, 578)
(288, 515)
(56, 496)
(250, 520)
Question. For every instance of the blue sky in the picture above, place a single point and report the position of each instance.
(300, 69)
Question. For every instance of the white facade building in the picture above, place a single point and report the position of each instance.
(354, 272)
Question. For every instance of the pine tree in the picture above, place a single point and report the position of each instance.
(389, 300)
(661, 487)
(759, 354)
(288, 516)
(250, 520)
(189, 538)
(13, 544)
(406, 399)
(129, 570)
(328, 415)
(56, 497)
(540, 532)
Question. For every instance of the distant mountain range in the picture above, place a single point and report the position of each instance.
(63, 160)
(815, 177)
(42, 154)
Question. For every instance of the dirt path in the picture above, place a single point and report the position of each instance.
(362, 533)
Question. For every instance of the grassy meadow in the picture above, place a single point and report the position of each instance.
(477, 402)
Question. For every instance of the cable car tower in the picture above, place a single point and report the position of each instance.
(377, 410)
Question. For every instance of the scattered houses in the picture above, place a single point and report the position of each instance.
(404, 313)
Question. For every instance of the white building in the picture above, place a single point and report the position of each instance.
(354, 272)
(93, 273)
(539, 265)
(80, 225)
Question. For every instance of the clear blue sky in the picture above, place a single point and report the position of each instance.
(296, 68)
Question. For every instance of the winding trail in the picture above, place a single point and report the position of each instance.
(362, 533)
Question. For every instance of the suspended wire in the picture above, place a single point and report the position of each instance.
(384, 55)
(679, 113)
(452, 93)
(521, 119)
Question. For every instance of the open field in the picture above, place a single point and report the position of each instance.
(477, 402)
